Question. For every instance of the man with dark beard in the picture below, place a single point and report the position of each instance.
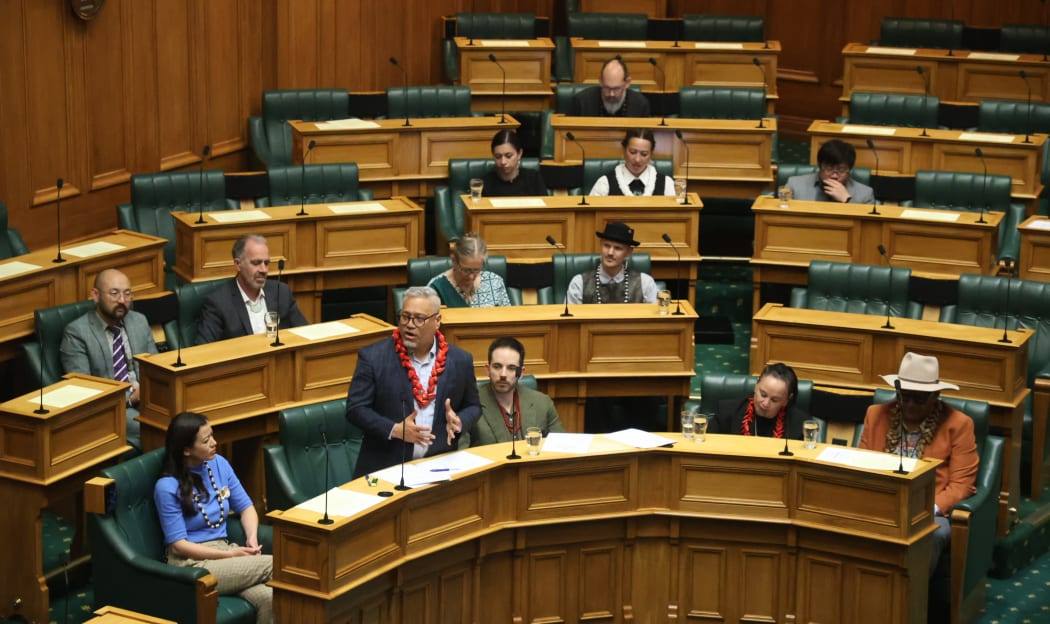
(613, 98)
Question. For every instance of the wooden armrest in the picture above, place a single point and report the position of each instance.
(95, 494)
(960, 521)
(207, 599)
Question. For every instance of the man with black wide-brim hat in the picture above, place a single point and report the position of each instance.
(612, 280)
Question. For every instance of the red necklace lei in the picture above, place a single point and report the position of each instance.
(422, 398)
(749, 417)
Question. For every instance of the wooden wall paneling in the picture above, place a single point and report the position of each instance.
(180, 102)
(106, 96)
(223, 103)
(678, 8)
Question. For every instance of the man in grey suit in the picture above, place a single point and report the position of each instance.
(103, 342)
(832, 182)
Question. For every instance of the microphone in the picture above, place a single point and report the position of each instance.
(205, 152)
(583, 159)
(874, 199)
(302, 179)
(503, 93)
(513, 436)
(1006, 319)
(785, 452)
(984, 184)
(178, 326)
(951, 18)
(761, 68)
(663, 81)
(324, 439)
(688, 161)
(404, 85)
(925, 93)
(882, 252)
(277, 333)
(565, 272)
(677, 271)
(1028, 102)
(401, 487)
(59, 183)
(900, 445)
(41, 409)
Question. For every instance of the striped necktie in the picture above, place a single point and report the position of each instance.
(120, 360)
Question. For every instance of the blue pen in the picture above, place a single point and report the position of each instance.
(439, 470)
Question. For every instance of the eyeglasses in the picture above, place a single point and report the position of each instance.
(468, 271)
(115, 294)
(834, 169)
(414, 321)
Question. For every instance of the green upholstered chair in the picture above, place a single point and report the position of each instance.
(1023, 38)
(449, 208)
(1015, 117)
(723, 28)
(422, 270)
(321, 184)
(564, 93)
(50, 326)
(974, 519)
(428, 101)
(127, 554)
(295, 467)
(857, 289)
(154, 196)
(594, 168)
(982, 303)
(893, 109)
(567, 266)
(11, 243)
(272, 136)
(947, 190)
(906, 32)
(183, 329)
(605, 26)
(485, 26)
(715, 387)
(721, 103)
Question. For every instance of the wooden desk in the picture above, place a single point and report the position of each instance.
(46, 284)
(787, 239)
(240, 384)
(622, 535)
(853, 350)
(113, 615)
(368, 246)
(393, 159)
(691, 64)
(905, 152)
(965, 77)
(528, 66)
(1034, 263)
(604, 350)
(45, 458)
(727, 157)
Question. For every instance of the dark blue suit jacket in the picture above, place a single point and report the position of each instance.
(380, 395)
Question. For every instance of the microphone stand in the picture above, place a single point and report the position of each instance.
(925, 93)
(565, 273)
(513, 435)
(688, 161)
(503, 94)
(874, 199)
(324, 439)
(1006, 316)
(900, 445)
(401, 487)
(758, 64)
(663, 82)
(1028, 102)
(178, 327)
(785, 452)
(583, 160)
(59, 183)
(205, 152)
(882, 252)
(277, 332)
(302, 180)
(404, 84)
(41, 409)
(984, 183)
(677, 272)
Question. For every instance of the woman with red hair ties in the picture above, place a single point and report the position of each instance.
(769, 412)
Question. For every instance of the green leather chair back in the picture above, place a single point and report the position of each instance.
(949, 190)
(723, 28)
(616, 26)
(594, 168)
(449, 208)
(496, 25)
(568, 266)
(1011, 116)
(295, 469)
(11, 243)
(271, 134)
(1023, 38)
(921, 33)
(50, 326)
(790, 170)
(721, 387)
(428, 101)
(721, 103)
(857, 289)
(565, 92)
(191, 296)
(422, 270)
(320, 184)
(527, 381)
(891, 109)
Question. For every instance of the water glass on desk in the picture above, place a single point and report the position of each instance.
(785, 195)
(271, 319)
(810, 430)
(663, 299)
(533, 438)
(477, 185)
(688, 423)
(680, 187)
(700, 427)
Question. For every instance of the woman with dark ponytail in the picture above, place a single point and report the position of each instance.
(770, 411)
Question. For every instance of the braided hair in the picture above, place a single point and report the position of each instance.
(927, 429)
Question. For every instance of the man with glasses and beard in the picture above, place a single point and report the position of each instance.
(613, 98)
(412, 394)
(832, 182)
(104, 341)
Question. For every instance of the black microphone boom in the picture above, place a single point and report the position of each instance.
(761, 68)
(900, 410)
(882, 252)
(59, 183)
(1006, 313)
(324, 440)
(401, 487)
(583, 160)
(514, 435)
(925, 93)
(404, 86)
(663, 82)
(678, 133)
(302, 179)
(1028, 103)
(565, 272)
(277, 330)
(874, 199)
(205, 152)
(677, 271)
(984, 183)
(503, 93)
(178, 327)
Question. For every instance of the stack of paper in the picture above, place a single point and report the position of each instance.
(92, 249)
(356, 208)
(639, 439)
(345, 124)
(66, 396)
(568, 443)
(323, 330)
(238, 216)
(453, 463)
(8, 269)
(415, 475)
(518, 202)
(341, 503)
(858, 458)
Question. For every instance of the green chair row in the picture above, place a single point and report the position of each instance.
(949, 34)
(857, 289)
(422, 270)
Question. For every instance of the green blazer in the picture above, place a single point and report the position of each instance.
(537, 410)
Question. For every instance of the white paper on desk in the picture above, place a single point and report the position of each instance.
(1041, 224)
(992, 56)
(621, 44)
(415, 475)
(66, 396)
(518, 202)
(454, 462)
(356, 208)
(896, 51)
(870, 460)
(92, 249)
(717, 45)
(639, 439)
(238, 216)
(8, 269)
(986, 136)
(930, 215)
(503, 43)
(345, 124)
(340, 503)
(568, 443)
(318, 331)
(879, 130)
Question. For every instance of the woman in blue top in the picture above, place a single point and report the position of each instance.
(195, 496)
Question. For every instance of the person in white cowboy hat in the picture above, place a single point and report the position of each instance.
(932, 430)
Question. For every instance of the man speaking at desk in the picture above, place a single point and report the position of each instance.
(413, 393)
(238, 307)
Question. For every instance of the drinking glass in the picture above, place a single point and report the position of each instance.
(533, 437)
(680, 186)
(663, 299)
(810, 429)
(476, 186)
(785, 195)
(688, 422)
(271, 319)
(700, 427)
